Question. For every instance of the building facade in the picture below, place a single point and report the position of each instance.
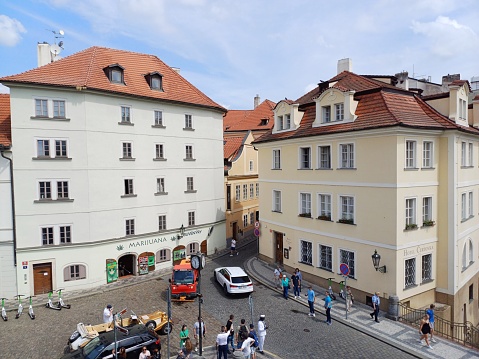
(111, 150)
(358, 166)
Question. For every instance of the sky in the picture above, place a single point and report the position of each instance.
(233, 50)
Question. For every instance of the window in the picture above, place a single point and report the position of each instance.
(305, 204)
(471, 252)
(306, 252)
(276, 201)
(251, 166)
(126, 149)
(192, 248)
(426, 268)
(158, 118)
(347, 208)
(467, 254)
(189, 184)
(60, 148)
(163, 255)
(59, 108)
(463, 154)
(237, 193)
(324, 157)
(463, 207)
(471, 150)
(427, 154)
(287, 121)
(325, 206)
(325, 257)
(47, 236)
(65, 234)
(62, 189)
(257, 189)
(162, 222)
(125, 114)
(159, 152)
(128, 187)
(410, 154)
(160, 185)
(410, 272)
(43, 148)
(305, 158)
(41, 108)
(188, 122)
(251, 218)
(462, 109)
(280, 123)
(130, 227)
(426, 209)
(156, 83)
(471, 292)
(74, 272)
(347, 155)
(471, 204)
(276, 159)
(339, 111)
(347, 257)
(191, 218)
(45, 190)
(188, 152)
(116, 75)
(245, 192)
(245, 220)
(411, 213)
(251, 190)
(326, 114)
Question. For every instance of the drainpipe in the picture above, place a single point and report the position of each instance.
(2, 149)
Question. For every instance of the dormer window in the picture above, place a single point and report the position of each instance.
(264, 122)
(339, 111)
(326, 114)
(286, 116)
(155, 81)
(333, 106)
(115, 74)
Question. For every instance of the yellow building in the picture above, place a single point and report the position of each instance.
(240, 128)
(358, 165)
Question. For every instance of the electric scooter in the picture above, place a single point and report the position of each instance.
(61, 304)
(30, 308)
(20, 306)
(50, 303)
(330, 289)
(4, 312)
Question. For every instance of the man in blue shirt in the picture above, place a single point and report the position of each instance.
(311, 300)
(430, 314)
(376, 301)
(327, 305)
(285, 285)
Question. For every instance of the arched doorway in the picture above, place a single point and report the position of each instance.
(179, 253)
(126, 265)
(146, 262)
(204, 247)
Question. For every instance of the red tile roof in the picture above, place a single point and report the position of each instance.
(232, 145)
(86, 69)
(5, 126)
(245, 120)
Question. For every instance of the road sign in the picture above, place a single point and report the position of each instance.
(344, 269)
(256, 224)
(256, 232)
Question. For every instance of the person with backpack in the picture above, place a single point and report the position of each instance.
(252, 334)
(231, 333)
(242, 333)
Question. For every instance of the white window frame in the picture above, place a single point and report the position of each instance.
(410, 156)
(251, 190)
(158, 118)
(427, 154)
(471, 154)
(410, 212)
(276, 159)
(160, 185)
(251, 165)
(305, 204)
(346, 155)
(463, 206)
(190, 184)
(339, 111)
(126, 150)
(128, 187)
(426, 209)
(41, 107)
(280, 123)
(58, 108)
(463, 154)
(61, 148)
(276, 201)
(470, 196)
(67, 234)
(188, 121)
(326, 114)
(306, 254)
(343, 253)
(251, 218)
(305, 158)
(45, 190)
(324, 205)
(407, 272)
(47, 235)
(237, 193)
(63, 189)
(191, 218)
(326, 257)
(287, 121)
(347, 208)
(129, 226)
(257, 189)
(245, 220)
(426, 273)
(189, 152)
(125, 114)
(159, 151)
(245, 192)
(162, 222)
(324, 163)
(163, 255)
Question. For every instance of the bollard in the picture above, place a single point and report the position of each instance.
(393, 308)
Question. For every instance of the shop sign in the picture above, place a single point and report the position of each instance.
(143, 264)
(111, 270)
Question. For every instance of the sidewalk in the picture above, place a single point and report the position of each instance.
(396, 334)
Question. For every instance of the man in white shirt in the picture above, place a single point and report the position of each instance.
(246, 347)
(108, 314)
(261, 332)
(222, 343)
(233, 248)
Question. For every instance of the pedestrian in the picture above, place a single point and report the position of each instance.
(242, 333)
(108, 314)
(261, 332)
(349, 298)
(231, 333)
(430, 314)
(246, 347)
(328, 303)
(252, 334)
(277, 276)
(376, 301)
(184, 333)
(311, 300)
(145, 353)
(425, 330)
(185, 352)
(222, 343)
(199, 329)
(285, 285)
(300, 277)
(233, 247)
(295, 280)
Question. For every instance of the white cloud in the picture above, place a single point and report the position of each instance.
(10, 30)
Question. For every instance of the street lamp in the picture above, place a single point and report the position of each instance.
(376, 259)
(182, 232)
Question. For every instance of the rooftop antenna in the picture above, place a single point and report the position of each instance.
(55, 49)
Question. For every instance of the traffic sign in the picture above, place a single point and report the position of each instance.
(256, 232)
(256, 224)
(344, 269)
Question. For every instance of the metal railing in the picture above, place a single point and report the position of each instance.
(464, 333)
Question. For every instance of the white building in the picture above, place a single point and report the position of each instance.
(114, 152)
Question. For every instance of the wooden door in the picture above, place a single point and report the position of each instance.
(235, 229)
(42, 278)
(204, 247)
(279, 247)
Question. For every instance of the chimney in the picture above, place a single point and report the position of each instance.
(403, 80)
(176, 69)
(345, 65)
(256, 101)
(44, 56)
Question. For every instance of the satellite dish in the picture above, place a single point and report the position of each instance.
(61, 32)
(55, 49)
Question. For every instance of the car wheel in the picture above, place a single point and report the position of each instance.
(74, 336)
(225, 289)
(151, 325)
(165, 329)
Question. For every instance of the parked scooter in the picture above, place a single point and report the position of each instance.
(30, 308)
(61, 303)
(20, 306)
(50, 303)
(330, 289)
(4, 312)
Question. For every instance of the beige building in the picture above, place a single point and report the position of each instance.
(241, 128)
(358, 165)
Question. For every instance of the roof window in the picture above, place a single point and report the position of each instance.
(115, 74)
(155, 81)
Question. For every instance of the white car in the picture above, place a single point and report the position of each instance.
(234, 280)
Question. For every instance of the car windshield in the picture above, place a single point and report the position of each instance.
(183, 276)
(240, 280)
(93, 346)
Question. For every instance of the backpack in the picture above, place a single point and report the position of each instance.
(243, 332)
(255, 337)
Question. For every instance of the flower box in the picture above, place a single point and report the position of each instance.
(307, 215)
(411, 226)
(428, 223)
(346, 221)
(324, 217)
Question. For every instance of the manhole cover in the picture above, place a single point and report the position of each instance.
(306, 330)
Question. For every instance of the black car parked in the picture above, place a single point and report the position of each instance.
(102, 346)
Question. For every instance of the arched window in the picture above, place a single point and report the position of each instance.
(471, 252)
(163, 255)
(74, 272)
(192, 248)
(464, 257)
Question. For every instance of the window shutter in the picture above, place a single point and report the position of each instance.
(66, 274)
(82, 272)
